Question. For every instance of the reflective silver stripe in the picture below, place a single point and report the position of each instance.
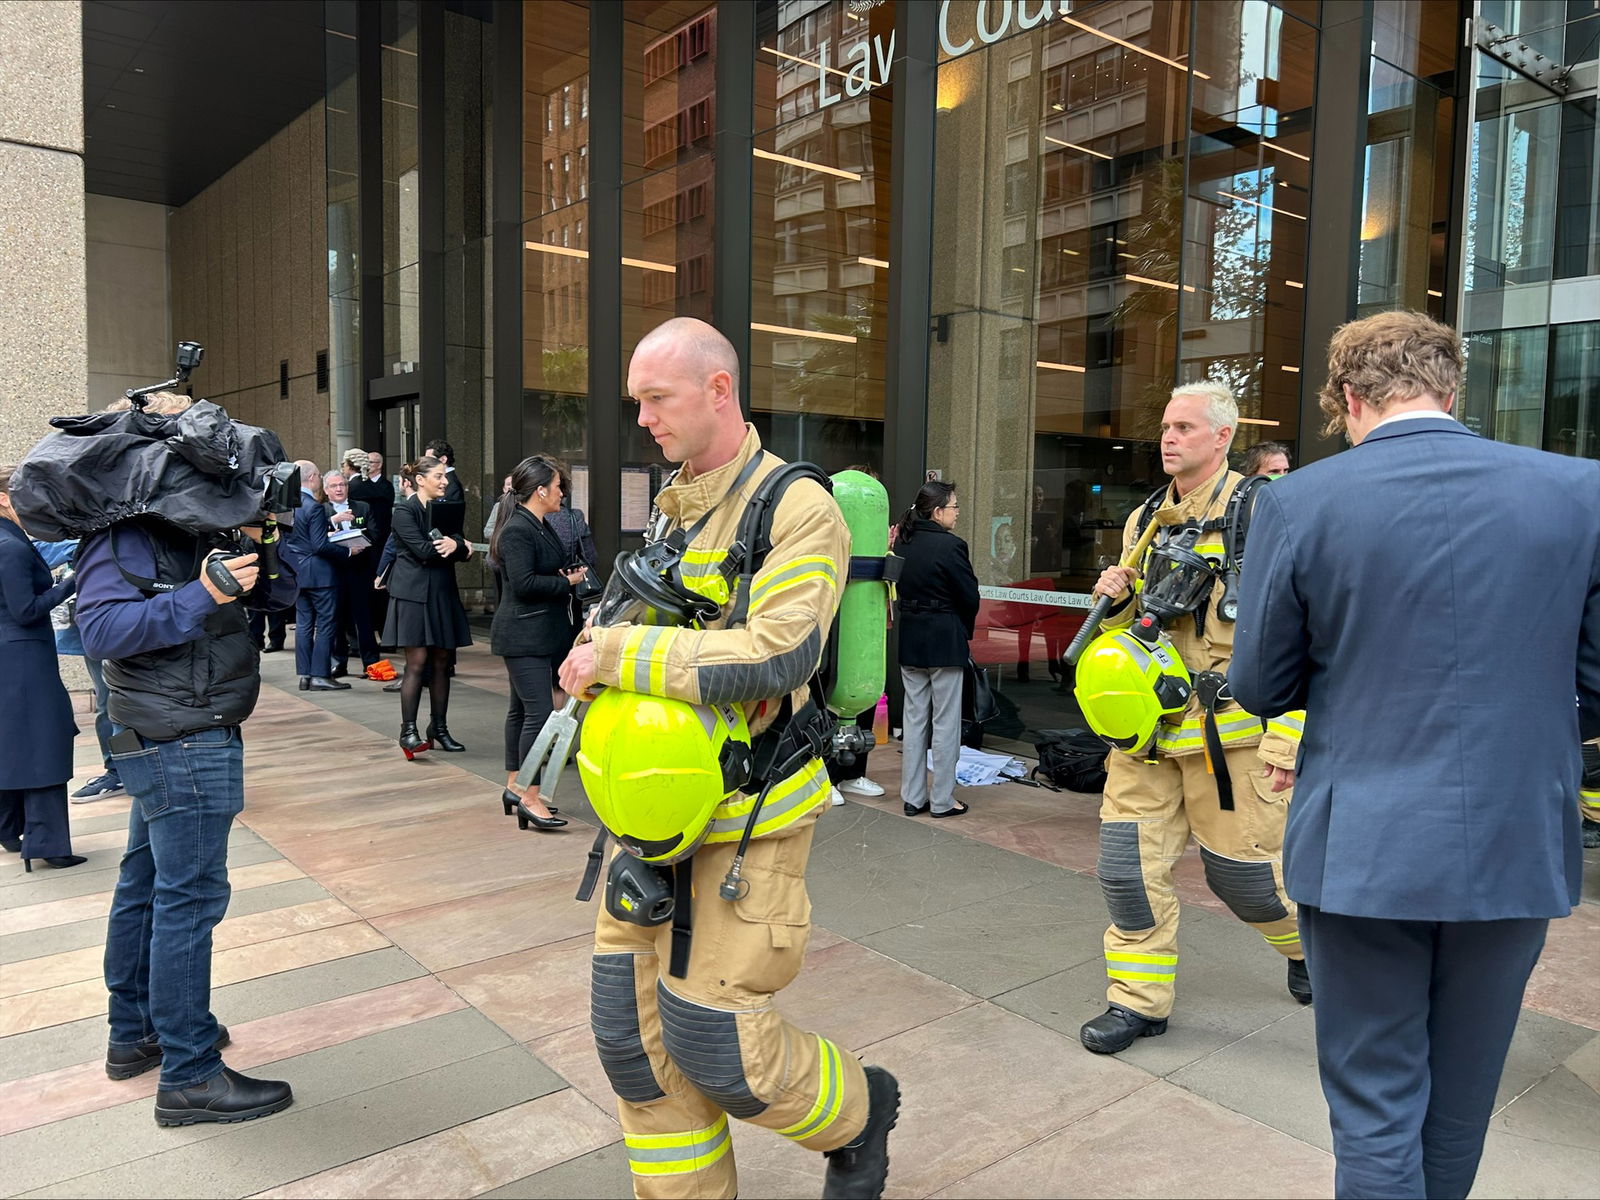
(808, 566)
(1117, 962)
(683, 1154)
(1287, 721)
(642, 658)
(777, 811)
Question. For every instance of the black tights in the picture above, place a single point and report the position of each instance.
(435, 661)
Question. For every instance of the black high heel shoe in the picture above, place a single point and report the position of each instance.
(528, 820)
(411, 744)
(509, 800)
(61, 861)
(438, 734)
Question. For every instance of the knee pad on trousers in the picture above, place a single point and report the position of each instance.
(614, 1017)
(704, 1043)
(1248, 888)
(1122, 876)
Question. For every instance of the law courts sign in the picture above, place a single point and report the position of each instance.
(964, 25)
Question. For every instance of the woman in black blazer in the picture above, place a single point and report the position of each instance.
(38, 712)
(536, 620)
(425, 613)
(938, 608)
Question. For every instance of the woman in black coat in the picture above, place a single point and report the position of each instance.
(38, 712)
(938, 607)
(425, 613)
(536, 620)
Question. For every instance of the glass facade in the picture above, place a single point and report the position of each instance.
(1102, 199)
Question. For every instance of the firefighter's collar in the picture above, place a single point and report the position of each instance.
(1199, 499)
(688, 496)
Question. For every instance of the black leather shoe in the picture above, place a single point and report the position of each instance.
(322, 683)
(14, 845)
(224, 1098)
(1299, 980)
(59, 861)
(305, 683)
(339, 672)
(528, 819)
(272, 647)
(858, 1170)
(510, 801)
(957, 811)
(439, 735)
(124, 1062)
(1115, 1030)
(912, 810)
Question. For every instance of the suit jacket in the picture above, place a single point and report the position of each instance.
(38, 712)
(420, 573)
(378, 496)
(1432, 600)
(307, 548)
(453, 489)
(938, 598)
(536, 614)
(366, 562)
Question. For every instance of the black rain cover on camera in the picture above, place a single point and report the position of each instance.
(198, 470)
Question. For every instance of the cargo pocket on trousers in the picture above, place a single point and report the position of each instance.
(1268, 814)
(775, 901)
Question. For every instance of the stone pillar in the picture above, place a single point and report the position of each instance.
(43, 315)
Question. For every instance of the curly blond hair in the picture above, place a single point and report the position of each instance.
(1387, 357)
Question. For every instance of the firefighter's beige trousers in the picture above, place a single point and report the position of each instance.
(683, 1055)
(1149, 812)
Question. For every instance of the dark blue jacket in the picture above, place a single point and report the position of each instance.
(1432, 600)
(307, 547)
(38, 712)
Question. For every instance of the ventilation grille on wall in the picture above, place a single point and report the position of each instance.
(322, 370)
(283, 380)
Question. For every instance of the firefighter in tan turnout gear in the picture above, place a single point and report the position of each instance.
(685, 1054)
(1155, 800)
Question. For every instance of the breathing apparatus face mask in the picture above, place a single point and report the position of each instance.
(646, 588)
(1177, 581)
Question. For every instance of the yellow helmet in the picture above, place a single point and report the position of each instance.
(656, 769)
(1125, 686)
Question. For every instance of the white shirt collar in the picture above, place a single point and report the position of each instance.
(1412, 414)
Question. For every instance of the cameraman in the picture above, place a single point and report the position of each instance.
(182, 675)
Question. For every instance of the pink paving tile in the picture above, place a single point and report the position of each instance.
(1566, 982)
(571, 1055)
(471, 1158)
(72, 1091)
(396, 838)
(98, 904)
(468, 930)
(1070, 840)
(510, 860)
(531, 993)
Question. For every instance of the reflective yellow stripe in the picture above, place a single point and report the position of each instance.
(644, 650)
(1589, 798)
(1290, 725)
(789, 800)
(677, 1153)
(1142, 968)
(1231, 727)
(830, 1094)
(1281, 939)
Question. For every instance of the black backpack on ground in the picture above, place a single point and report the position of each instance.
(1072, 758)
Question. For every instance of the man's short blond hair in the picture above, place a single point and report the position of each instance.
(1387, 357)
(1221, 408)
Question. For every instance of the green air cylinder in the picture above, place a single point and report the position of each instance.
(862, 625)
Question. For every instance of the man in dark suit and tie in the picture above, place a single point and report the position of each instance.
(316, 608)
(1432, 600)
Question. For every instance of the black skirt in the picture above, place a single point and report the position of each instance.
(438, 621)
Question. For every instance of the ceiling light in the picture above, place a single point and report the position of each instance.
(1440, 295)
(1270, 145)
(1295, 283)
(1257, 421)
(1171, 62)
(807, 62)
(872, 262)
(1270, 208)
(805, 333)
(809, 166)
(643, 264)
(1058, 106)
(1119, 447)
(1288, 368)
(1075, 146)
(1160, 283)
(111, 106)
(1125, 254)
(138, 70)
(1053, 366)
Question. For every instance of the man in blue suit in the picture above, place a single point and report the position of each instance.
(1432, 600)
(316, 609)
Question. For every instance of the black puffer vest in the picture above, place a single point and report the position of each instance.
(211, 681)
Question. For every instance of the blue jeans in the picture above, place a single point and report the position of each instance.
(171, 893)
(102, 720)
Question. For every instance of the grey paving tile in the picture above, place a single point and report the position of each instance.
(1545, 1143)
(96, 822)
(601, 1175)
(55, 939)
(997, 945)
(856, 833)
(1540, 1045)
(81, 1041)
(1230, 984)
(344, 1110)
(878, 892)
(1584, 1062)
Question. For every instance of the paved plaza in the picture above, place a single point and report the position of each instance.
(418, 969)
